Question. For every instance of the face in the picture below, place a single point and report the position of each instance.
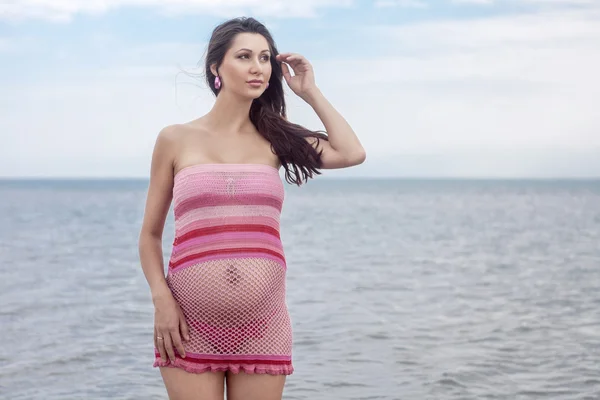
(248, 59)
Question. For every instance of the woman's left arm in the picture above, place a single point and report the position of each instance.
(343, 149)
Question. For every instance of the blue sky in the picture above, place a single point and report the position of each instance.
(468, 88)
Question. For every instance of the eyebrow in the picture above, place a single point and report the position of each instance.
(251, 50)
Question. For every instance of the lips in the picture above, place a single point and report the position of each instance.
(255, 81)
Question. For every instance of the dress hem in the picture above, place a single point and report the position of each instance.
(234, 368)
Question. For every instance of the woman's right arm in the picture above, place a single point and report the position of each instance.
(169, 321)
(158, 202)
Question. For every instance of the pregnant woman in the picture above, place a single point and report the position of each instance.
(221, 322)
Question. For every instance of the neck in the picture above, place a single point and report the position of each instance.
(230, 114)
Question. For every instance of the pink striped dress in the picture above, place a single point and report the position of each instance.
(227, 269)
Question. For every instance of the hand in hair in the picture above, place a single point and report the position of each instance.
(302, 82)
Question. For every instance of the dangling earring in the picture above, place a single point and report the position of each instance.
(217, 83)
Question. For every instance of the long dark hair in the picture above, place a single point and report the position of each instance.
(268, 112)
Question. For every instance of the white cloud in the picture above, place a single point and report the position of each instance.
(496, 96)
(401, 3)
(65, 10)
(538, 29)
(481, 2)
(535, 2)
(562, 2)
(428, 3)
(505, 82)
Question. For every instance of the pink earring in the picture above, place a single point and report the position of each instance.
(217, 83)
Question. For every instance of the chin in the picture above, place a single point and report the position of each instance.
(254, 94)
(250, 93)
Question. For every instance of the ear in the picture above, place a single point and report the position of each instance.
(213, 69)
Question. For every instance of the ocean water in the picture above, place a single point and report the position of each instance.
(397, 289)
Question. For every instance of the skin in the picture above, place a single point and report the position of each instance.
(226, 135)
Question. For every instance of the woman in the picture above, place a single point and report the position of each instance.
(220, 313)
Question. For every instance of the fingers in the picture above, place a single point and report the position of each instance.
(294, 57)
(177, 343)
(293, 62)
(291, 58)
(185, 331)
(160, 345)
(286, 72)
(288, 55)
(168, 344)
(297, 62)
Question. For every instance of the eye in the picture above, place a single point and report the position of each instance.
(264, 57)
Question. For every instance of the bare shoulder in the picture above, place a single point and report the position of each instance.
(166, 140)
(172, 138)
(166, 147)
(161, 181)
(170, 134)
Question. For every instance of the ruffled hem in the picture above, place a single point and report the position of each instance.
(235, 368)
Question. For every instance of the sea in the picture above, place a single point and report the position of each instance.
(440, 289)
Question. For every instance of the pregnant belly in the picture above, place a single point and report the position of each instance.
(229, 291)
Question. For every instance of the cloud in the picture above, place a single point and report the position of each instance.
(550, 50)
(510, 82)
(535, 29)
(401, 3)
(479, 2)
(562, 2)
(65, 10)
(536, 2)
(511, 95)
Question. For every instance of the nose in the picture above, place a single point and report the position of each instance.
(256, 67)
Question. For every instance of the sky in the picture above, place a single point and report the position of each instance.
(440, 88)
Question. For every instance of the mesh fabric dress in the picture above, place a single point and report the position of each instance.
(227, 269)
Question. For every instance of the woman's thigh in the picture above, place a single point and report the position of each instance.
(243, 386)
(182, 385)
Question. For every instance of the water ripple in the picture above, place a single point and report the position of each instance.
(397, 290)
